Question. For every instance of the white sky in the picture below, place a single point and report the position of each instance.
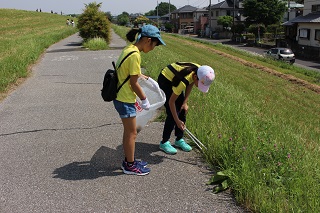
(116, 7)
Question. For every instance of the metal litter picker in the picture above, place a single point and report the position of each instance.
(195, 140)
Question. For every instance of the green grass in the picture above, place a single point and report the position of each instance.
(302, 73)
(24, 35)
(260, 129)
(96, 44)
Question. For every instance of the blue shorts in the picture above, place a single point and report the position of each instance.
(125, 110)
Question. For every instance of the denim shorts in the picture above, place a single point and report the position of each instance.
(125, 110)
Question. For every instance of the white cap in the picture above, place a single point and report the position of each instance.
(206, 76)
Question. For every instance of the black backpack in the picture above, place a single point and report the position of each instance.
(109, 90)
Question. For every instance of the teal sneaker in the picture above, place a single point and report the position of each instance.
(183, 145)
(167, 148)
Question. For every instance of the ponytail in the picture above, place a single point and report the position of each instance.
(131, 35)
(184, 72)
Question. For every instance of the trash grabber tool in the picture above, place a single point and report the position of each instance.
(195, 140)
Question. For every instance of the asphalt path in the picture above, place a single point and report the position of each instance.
(61, 148)
(307, 64)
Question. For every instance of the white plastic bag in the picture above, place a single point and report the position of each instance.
(156, 97)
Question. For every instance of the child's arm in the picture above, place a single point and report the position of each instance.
(187, 94)
(180, 124)
(136, 87)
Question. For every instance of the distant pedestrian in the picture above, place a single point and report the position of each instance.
(68, 22)
(72, 22)
(177, 81)
(148, 38)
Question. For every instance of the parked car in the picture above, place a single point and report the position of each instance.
(188, 29)
(283, 54)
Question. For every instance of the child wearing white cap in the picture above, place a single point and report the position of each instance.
(177, 81)
(148, 37)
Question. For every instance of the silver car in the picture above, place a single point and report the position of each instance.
(283, 54)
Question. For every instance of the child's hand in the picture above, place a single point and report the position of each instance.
(181, 125)
(145, 104)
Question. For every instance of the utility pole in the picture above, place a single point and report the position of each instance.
(234, 11)
(158, 12)
(169, 11)
(209, 18)
(288, 10)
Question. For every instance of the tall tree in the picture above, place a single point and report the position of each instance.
(109, 16)
(263, 11)
(163, 9)
(123, 18)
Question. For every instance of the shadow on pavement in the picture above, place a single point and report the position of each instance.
(74, 44)
(106, 162)
(67, 50)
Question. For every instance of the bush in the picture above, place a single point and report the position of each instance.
(141, 20)
(93, 23)
(248, 36)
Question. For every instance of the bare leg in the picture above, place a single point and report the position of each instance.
(129, 137)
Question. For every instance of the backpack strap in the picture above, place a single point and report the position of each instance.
(126, 58)
(175, 72)
(118, 68)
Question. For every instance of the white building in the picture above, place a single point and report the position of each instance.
(303, 32)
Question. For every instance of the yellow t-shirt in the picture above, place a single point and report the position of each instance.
(131, 66)
(169, 75)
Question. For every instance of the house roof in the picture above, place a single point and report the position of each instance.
(290, 23)
(224, 5)
(309, 18)
(185, 9)
(166, 15)
(153, 17)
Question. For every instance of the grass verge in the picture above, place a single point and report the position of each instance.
(24, 35)
(260, 122)
(96, 44)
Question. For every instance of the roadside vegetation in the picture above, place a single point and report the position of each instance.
(303, 74)
(95, 44)
(94, 27)
(260, 120)
(261, 128)
(24, 36)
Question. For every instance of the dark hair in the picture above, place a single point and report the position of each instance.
(131, 35)
(157, 40)
(189, 67)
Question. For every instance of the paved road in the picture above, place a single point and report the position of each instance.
(61, 147)
(308, 64)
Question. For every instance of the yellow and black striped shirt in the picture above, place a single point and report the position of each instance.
(169, 70)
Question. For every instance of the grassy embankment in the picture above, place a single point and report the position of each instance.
(261, 125)
(260, 122)
(24, 35)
